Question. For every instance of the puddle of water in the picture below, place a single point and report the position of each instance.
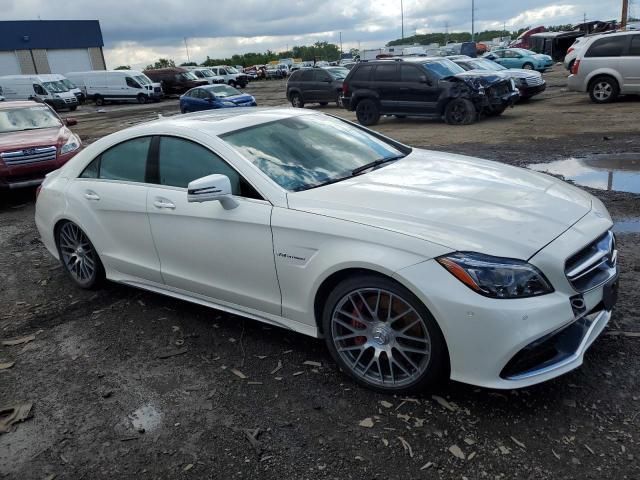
(620, 173)
(627, 225)
(147, 417)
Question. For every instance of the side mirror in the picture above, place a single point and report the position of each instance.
(70, 122)
(212, 188)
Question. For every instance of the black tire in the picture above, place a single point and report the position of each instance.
(528, 66)
(432, 367)
(497, 111)
(460, 111)
(142, 98)
(400, 116)
(603, 89)
(99, 100)
(367, 112)
(232, 83)
(324, 104)
(73, 109)
(73, 256)
(296, 100)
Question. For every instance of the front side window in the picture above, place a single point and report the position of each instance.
(409, 73)
(634, 48)
(132, 83)
(608, 47)
(39, 89)
(386, 73)
(443, 68)
(304, 152)
(126, 161)
(511, 54)
(198, 74)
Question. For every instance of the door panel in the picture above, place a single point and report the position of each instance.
(223, 254)
(387, 82)
(630, 66)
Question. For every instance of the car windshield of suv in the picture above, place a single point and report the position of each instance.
(55, 87)
(67, 83)
(223, 91)
(206, 73)
(304, 152)
(484, 64)
(30, 118)
(338, 73)
(188, 76)
(443, 68)
(231, 70)
(142, 79)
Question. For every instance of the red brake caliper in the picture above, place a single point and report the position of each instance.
(357, 324)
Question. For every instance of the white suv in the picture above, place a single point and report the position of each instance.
(607, 65)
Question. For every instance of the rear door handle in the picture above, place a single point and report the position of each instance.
(163, 203)
(91, 195)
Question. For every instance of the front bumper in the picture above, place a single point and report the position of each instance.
(485, 335)
(528, 92)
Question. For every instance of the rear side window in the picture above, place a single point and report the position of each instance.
(320, 75)
(608, 47)
(306, 76)
(362, 73)
(126, 161)
(634, 48)
(409, 73)
(386, 73)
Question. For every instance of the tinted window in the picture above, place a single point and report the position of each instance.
(409, 73)
(511, 54)
(386, 73)
(634, 49)
(38, 89)
(320, 75)
(306, 75)
(127, 161)
(362, 73)
(608, 47)
(132, 83)
(181, 161)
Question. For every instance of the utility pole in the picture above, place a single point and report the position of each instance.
(340, 44)
(402, 18)
(446, 32)
(625, 14)
(473, 18)
(186, 47)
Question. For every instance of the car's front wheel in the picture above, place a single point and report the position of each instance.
(460, 111)
(142, 98)
(78, 256)
(383, 336)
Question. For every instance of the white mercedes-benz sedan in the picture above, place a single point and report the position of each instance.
(413, 265)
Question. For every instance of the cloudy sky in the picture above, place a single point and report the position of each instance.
(136, 32)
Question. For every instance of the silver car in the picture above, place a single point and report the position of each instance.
(607, 65)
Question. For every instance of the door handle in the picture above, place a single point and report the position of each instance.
(404, 89)
(163, 203)
(91, 195)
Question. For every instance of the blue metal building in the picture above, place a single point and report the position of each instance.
(50, 46)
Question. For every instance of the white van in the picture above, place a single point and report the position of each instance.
(40, 88)
(230, 75)
(108, 85)
(72, 87)
(204, 73)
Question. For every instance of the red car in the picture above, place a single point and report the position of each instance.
(34, 141)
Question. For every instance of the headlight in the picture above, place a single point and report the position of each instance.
(496, 277)
(73, 143)
(226, 103)
(55, 95)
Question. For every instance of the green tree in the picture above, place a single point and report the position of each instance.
(161, 63)
(189, 64)
(123, 67)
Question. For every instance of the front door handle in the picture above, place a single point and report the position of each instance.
(91, 195)
(163, 203)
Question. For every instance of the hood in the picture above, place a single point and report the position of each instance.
(522, 73)
(481, 78)
(459, 202)
(243, 98)
(43, 137)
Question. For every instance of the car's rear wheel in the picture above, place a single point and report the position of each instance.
(460, 111)
(296, 100)
(603, 90)
(367, 112)
(78, 256)
(383, 336)
(528, 66)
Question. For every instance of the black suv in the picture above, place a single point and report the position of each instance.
(425, 87)
(316, 85)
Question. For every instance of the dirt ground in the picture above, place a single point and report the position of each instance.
(108, 404)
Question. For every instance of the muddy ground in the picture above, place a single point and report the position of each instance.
(106, 404)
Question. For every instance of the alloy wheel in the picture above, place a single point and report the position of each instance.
(380, 337)
(78, 255)
(602, 91)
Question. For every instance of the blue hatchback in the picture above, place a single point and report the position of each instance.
(214, 96)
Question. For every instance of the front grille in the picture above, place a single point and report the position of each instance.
(71, 100)
(157, 89)
(594, 264)
(29, 155)
(501, 89)
(534, 82)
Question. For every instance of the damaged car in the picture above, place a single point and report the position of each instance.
(425, 87)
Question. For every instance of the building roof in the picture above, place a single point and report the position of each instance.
(50, 34)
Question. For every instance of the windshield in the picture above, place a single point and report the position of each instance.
(206, 73)
(142, 79)
(30, 118)
(231, 70)
(68, 84)
(443, 68)
(484, 64)
(303, 152)
(188, 76)
(55, 87)
(338, 73)
(223, 91)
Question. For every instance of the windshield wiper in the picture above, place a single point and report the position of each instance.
(375, 163)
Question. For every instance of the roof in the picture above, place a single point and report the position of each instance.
(50, 34)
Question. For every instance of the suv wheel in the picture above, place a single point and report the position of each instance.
(460, 111)
(367, 112)
(296, 100)
(603, 90)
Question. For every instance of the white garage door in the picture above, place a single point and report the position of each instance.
(9, 64)
(63, 61)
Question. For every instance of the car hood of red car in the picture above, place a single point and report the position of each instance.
(33, 138)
